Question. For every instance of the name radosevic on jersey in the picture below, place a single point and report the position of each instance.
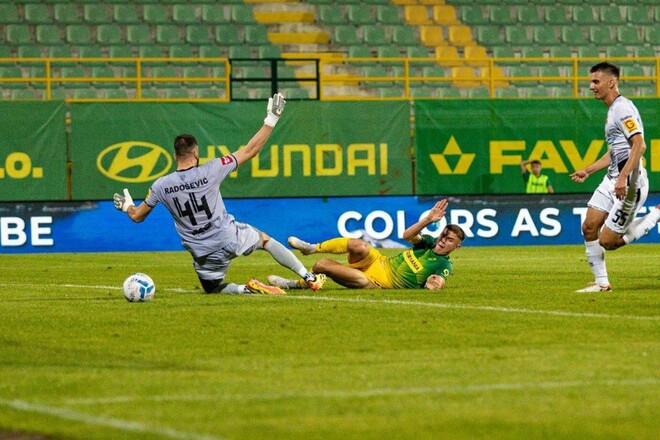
(193, 198)
(623, 121)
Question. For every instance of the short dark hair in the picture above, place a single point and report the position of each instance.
(455, 229)
(184, 144)
(606, 67)
(535, 162)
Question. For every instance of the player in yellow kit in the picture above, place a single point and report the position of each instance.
(425, 265)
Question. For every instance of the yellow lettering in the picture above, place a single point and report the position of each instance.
(368, 162)
(547, 153)
(578, 162)
(333, 153)
(497, 157)
(306, 158)
(24, 165)
(655, 155)
(383, 159)
(274, 164)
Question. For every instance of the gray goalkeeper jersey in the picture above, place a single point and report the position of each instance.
(193, 198)
(623, 121)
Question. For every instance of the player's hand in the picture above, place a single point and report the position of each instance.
(434, 282)
(438, 211)
(579, 176)
(124, 202)
(274, 109)
(620, 187)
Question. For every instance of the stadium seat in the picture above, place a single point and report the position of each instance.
(227, 35)
(388, 14)
(12, 73)
(121, 52)
(115, 94)
(473, 15)
(184, 14)
(404, 36)
(78, 34)
(197, 35)
(390, 92)
(460, 35)
(584, 15)
(61, 52)
(500, 15)
(388, 52)
(431, 36)
(628, 35)
(209, 51)
(64, 14)
(504, 52)
(533, 52)
(476, 55)
(430, 72)
(36, 13)
(181, 51)
(421, 92)
(109, 34)
(48, 34)
(416, 15)
(537, 92)
(506, 93)
(359, 52)
(573, 36)
(214, 14)
(652, 35)
(86, 93)
(29, 52)
(96, 14)
(610, 15)
(522, 72)
(168, 34)
(600, 35)
(138, 34)
(239, 52)
(256, 34)
(91, 52)
(104, 72)
(464, 77)
(516, 35)
(25, 94)
(561, 52)
(545, 36)
(162, 72)
(448, 92)
(9, 14)
(556, 15)
(345, 35)
(444, 15)
(616, 52)
(73, 73)
(479, 93)
(242, 14)
(195, 72)
(155, 14)
(490, 36)
(375, 35)
(360, 14)
(561, 92)
(447, 56)
(268, 51)
(551, 71)
(126, 14)
(639, 15)
(528, 15)
(588, 52)
(331, 15)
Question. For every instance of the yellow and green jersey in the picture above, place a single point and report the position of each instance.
(411, 268)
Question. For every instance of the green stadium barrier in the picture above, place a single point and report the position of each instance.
(33, 151)
(475, 146)
(317, 149)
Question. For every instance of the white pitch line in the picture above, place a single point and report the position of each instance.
(123, 425)
(481, 308)
(376, 392)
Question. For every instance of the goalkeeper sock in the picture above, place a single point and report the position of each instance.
(641, 226)
(333, 246)
(234, 289)
(596, 258)
(286, 258)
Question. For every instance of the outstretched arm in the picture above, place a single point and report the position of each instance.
(273, 112)
(412, 234)
(580, 176)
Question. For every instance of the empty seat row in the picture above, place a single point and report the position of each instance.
(125, 13)
(345, 35)
(360, 14)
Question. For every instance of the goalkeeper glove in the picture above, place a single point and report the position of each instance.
(274, 109)
(123, 202)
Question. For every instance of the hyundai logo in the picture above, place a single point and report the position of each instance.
(134, 162)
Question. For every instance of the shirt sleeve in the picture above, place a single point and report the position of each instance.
(152, 195)
(427, 242)
(223, 166)
(628, 122)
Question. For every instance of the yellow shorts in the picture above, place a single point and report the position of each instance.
(376, 267)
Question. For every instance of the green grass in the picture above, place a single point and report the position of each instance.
(505, 351)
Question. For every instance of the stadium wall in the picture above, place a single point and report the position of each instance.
(38, 227)
(52, 151)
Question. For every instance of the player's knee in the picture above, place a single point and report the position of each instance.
(321, 266)
(357, 246)
(590, 230)
(609, 245)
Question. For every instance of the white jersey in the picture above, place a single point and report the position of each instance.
(193, 198)
(623, 121)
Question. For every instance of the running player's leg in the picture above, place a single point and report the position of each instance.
(594, 251)
(333, 246)
(621, 218)
(211, 271)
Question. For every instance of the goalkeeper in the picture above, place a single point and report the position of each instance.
(425, 265)
(211, 235)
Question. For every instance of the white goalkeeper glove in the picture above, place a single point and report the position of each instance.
(123, 202)
(274, 109)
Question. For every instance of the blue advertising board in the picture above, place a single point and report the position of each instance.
(487, 221)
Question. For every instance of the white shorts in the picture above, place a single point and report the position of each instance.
(604, 199)
(215, 265)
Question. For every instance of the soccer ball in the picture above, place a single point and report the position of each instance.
(139, 288)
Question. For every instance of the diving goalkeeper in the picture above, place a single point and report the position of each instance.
(425, 265)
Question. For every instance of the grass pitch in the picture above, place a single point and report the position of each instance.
(505, 351)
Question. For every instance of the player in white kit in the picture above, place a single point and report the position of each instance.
(211, 235)
(624, 188)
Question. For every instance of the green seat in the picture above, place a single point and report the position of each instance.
(177, 94)
(197, 35)
(522, 72)
(213, 14)
(533, 52)
(256, 34)
(91, 52)
(126, 14)
(150, 93)
(242, 14)
(418, 52)
(29, 52)
(489, 36)
(628, 35)
(35, 13)
(390, 92)
(166, 72)
(537, 92)
(25, 94)
(656, 15)
(268, 51)
(561, 52)
(448, 93)
(517, 35)
(588, 52)
(84, 94)
(9, 14)
(375, 35)
(644, 52)
(218, 72)
(551, 71)
(388, 14)
(210, 52)
(600, 35)
(360, 15)
(331, 15)
(207, 93)
(647, 92)
(556, 15)
(561, 92)
(528, 15)
(584, 15)
(138, 34)
(479, 93)
(473, 15)
(38, 73)
(73, 73)
(48, 34)
(195, 72)
(500, 15)
(616, 52)
(18, 34)
(65, 13)
(115, 94)
(184, 14)
(389, 52)
(168, 34)
(227, 35)
(12, 73)
(58, 93)
(545, 36)
(429, 72)
(639, 15)
(573, 36)
(150, 52)
(421, 92)
(629, 71)
(239, 52)
(504, 52)
(404, 36)
(121, 52)
(104, 72)
(652, 35)
(181, 51)
(509, 92)
(108, 34)
(97, 14)
(61, 52)
(299, 93)
(78, 34)
(155, 14)
(376, 72)
(610, 15)
(345, 36)
(360, 52)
